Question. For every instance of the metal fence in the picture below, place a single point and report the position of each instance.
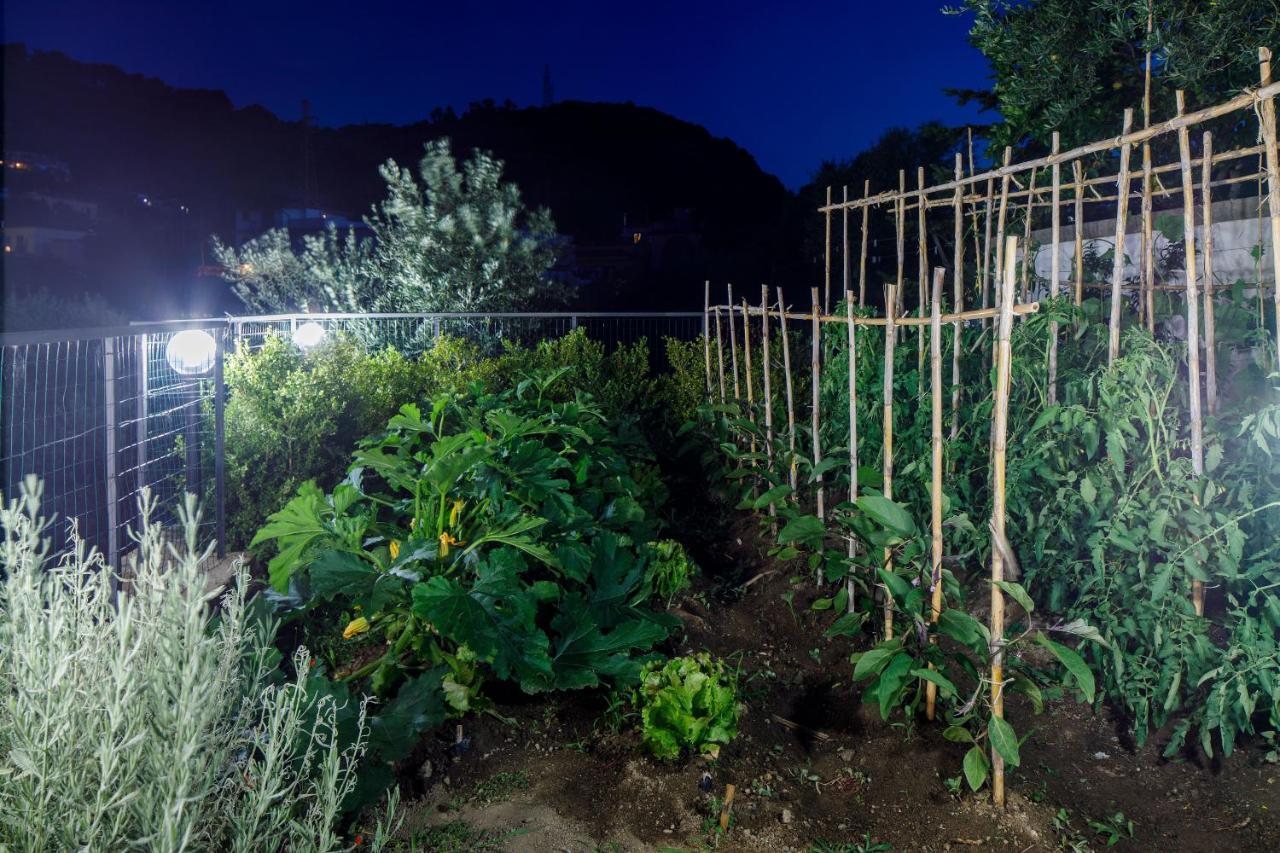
(99, 414)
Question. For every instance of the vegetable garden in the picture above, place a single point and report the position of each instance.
(995, 569)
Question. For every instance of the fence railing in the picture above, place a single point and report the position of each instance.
(99, 414)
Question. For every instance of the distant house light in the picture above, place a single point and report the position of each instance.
(245, 269)
(635, 238)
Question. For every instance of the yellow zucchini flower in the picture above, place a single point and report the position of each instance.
(456, 511)
(356, 626)
(445, 541)
(395, 549)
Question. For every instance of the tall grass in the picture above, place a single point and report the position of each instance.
(134, 713)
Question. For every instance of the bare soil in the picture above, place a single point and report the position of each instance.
(838, 774)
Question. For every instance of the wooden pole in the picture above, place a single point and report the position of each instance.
(1077, 170)
(733, 347)
(826, 262)
(1210, 338)
(768, 386)
(957, 292)
(1055, 267)
(706, 331)
(720, 354)
(1193, 318)
(853, 438)
(1000, 434)
(889, 337)
(862, 255)
(791, 403)
(1268, 121)
(815, 355)
(1117, 264)
(935, 577)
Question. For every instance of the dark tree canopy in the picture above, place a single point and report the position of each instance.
(1075, 65)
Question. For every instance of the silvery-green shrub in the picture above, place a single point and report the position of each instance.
(147, 711)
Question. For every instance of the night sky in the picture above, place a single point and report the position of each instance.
(794, 85)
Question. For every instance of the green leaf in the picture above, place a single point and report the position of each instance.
(805, 529)
(945, 687)
(888, 514)
(1074, 664)
(897, 585)
(774, 495)
(976, 768)
(1018, 594)
(958, 734)
(872, 661)
(1003, 739)
(847, 625)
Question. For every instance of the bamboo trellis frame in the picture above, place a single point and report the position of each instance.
(972, 196)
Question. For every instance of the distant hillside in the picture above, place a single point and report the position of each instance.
(125, 135)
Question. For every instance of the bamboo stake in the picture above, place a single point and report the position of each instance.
(1268, 122)
(1193, 319)
(922, 262)
(1210, 338)
(815, 354)
(911, 320)
(1000, 433)
(791, 404)
(986, 244)
(1117, 265)
(862, 255)
(746, 349)
(853, 439)
(1055, 268)
(1001, 218)
(844, 243)
(733, 347)
(826, 263)
(725, 807)
(889, 336)
(899, 216)
(957, 293)
(935, 577)
(768, 387)
(1026, 241)
(1077, 170)
(1148, 304)
(720, 354)
(706, 331)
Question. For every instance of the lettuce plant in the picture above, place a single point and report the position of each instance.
(687, 704)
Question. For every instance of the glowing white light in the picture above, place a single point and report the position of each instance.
(191, 352)
(308, 335)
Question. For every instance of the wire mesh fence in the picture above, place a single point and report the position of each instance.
(101, 414)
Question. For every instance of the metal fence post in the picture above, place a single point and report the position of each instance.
(219, 441)
(109, 400)
(573, 322)
(144, 385)
(435, 327)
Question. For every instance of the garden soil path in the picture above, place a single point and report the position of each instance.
(811, 763)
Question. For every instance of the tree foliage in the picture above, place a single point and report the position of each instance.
(1075, 65)
(451, 239)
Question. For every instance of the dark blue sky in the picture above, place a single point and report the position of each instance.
(793, 83)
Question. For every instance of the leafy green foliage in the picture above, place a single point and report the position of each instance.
(686, 704)
(501, 535)
(294, 416)
(671, 569)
